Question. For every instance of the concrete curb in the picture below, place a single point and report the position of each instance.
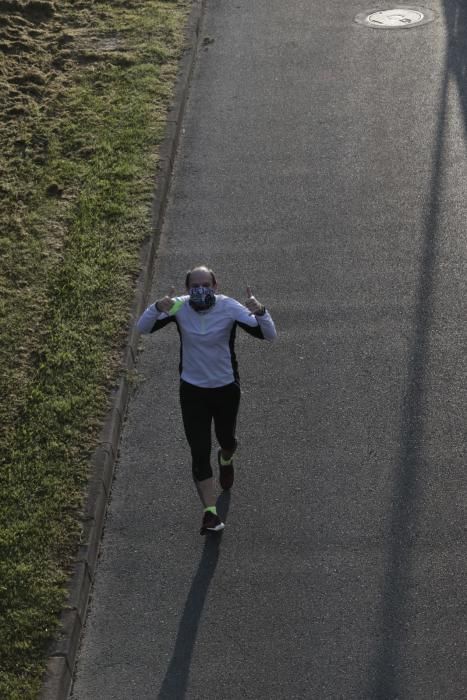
(63, 652)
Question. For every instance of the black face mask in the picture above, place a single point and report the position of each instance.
(202, 298)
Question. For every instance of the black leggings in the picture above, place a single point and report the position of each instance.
(199, 408)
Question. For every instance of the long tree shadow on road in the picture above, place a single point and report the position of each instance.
(176, 677)
(386, 664)
(455, 16)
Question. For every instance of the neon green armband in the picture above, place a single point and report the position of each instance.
(176, 307)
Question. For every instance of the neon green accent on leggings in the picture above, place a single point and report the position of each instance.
(211, 509)
(176, 307)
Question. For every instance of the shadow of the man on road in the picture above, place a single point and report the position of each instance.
(176, 677)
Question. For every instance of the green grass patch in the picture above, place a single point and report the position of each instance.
(84, 89)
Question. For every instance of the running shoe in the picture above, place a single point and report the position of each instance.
(211, 523)
(226, 473)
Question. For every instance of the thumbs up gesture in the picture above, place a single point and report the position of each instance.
(166, 303)
(253, 305)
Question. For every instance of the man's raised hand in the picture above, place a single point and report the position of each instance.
(252, 304)
(165, 304)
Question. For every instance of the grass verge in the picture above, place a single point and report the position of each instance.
(85, 87)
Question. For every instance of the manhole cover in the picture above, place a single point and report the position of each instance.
(395, 18)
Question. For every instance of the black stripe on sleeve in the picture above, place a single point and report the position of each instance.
(233, 357)
(255, 331)
(161, 323)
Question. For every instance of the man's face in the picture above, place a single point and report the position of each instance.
(201, 278)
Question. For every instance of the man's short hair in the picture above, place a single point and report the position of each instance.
(200, 267)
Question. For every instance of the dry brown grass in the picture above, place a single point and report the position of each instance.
(84, 87)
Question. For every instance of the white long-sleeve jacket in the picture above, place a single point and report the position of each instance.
(207, 355)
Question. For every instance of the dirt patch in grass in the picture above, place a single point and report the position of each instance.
(84, 88)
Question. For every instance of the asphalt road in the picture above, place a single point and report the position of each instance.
(323, 163)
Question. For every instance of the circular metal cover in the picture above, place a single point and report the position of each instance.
(395, 18)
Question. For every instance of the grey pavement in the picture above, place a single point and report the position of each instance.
(324, 163)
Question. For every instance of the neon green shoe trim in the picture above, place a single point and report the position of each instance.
(224, 462)
(211, 509)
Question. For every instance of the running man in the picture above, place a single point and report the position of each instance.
(209, 381)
